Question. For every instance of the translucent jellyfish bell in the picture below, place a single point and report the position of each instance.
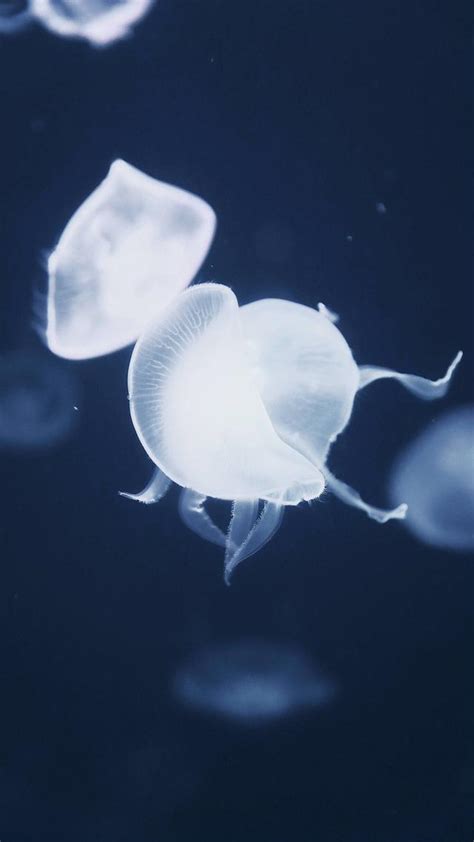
(251, 681)
(98, 21)
(198, 414)
(37, 398)
(127, 251)
(308, 379)
(435, 475)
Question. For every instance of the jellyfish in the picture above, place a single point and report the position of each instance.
(199, 416)
(435, 475)
(100, 22)
(131, 247)
(307, 378)
(37, 401)
(15, 15)
(251, 681)
(243, 404)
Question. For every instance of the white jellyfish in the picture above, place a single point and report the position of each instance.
(100, 22)
(37, 400)
(127, 251)
(244, 405)
(435, 475)
(198, 414)
(251, 681)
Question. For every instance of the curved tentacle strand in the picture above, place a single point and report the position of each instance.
(352, 497)
(195, 517)
(154, 491)
(422, 387)
(260, 533)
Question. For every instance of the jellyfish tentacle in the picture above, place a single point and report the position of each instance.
(242, 520)
(422, 387)
(153, 491)
(327, 313)
(352, 497)
(195, 517)
(263, 528)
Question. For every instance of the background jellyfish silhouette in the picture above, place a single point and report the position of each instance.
(435, 474)
(37, 401)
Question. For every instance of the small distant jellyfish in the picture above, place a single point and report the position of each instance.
(37, 398)
(435, 475)
(244, 404)
(129, 249)
(251, 682)
(100, 22)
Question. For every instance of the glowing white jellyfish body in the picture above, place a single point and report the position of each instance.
(243, 405)
(435, 475)
(199, 416)
(129, 249)
(100, 22)
(251, 681)
(37, 399)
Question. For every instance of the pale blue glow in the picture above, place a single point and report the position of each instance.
(251, 681)
(37, 401)
(435, 475)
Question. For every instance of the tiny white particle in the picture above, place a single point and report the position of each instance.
(349, 238)
(380, 207)
(76, 408)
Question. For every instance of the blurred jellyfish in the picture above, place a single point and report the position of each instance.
(37, 399)
(251, 681)
(435, 475)
(127, 251)
(244, 405)
(15, 15)
(101, 22)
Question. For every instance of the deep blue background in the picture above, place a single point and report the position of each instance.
(293, 119)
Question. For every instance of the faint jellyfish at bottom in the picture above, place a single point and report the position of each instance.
(435, 475)
(37, 401)
(100, 22)
(251, 681)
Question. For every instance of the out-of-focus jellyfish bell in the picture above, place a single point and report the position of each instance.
(198, 413)
(251, 682)
(101, 22)
(435, 475)
(127, 251)
(15, 15)
(308, 379)
(37, 398)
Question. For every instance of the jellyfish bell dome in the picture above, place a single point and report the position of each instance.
(98, 21)
(198, 412)
(305, 372)
(435, 475)
(132, 246)
(37, 399)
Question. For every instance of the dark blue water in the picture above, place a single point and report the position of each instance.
(294, 121)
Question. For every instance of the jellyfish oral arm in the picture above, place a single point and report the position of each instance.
(422, 387)
(154, 491)
(248, 532)
(195, 517)
(352, 497)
